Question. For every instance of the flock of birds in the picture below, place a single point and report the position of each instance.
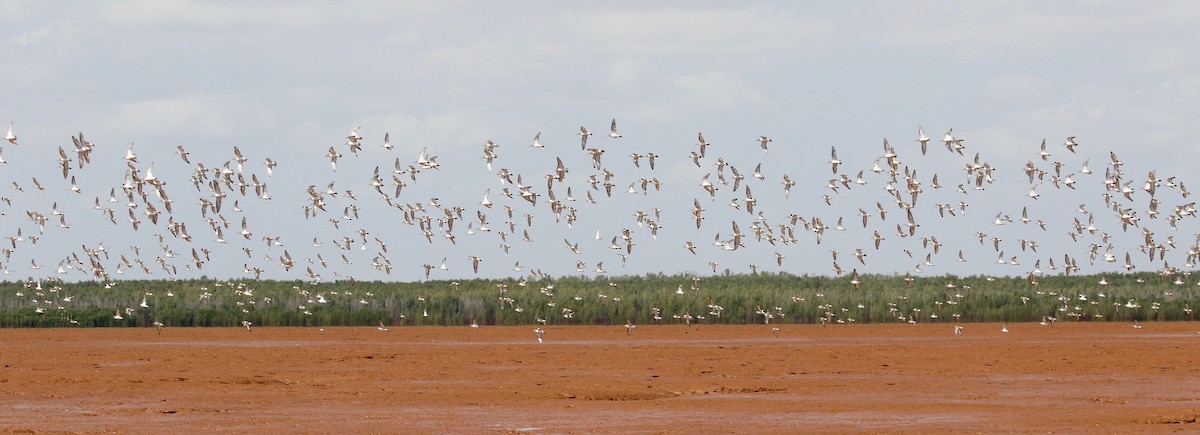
(710, 200)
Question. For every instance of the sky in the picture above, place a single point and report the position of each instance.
(289, 80)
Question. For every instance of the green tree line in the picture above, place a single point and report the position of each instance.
(615, 300)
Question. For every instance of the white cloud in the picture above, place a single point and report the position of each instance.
(58, 31)
(1188, 87)
(1017, 87)
(173, 114)
(627, 72)
(196, 115)
(175, 12)
(718, 90)
(982, 27)
(687, 31)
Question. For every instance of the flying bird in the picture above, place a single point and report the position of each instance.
(763, 141)
(583, 137)
(183, 154)
(10, 137)
(922, 139)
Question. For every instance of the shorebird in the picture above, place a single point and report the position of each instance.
(922, 139)
(10, 137)
(333, 155)
(245, 232)
(539, 332)
(596, 153)
(834, 160)
(183, 154)
(952, 144)
(763, 141)
(129, 155)
(583, 137)
(574, 247)
(613, 129)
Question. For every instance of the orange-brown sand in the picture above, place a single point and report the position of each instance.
(1072, 378)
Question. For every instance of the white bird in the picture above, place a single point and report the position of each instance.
(922, 138)
(129, 155)
(333, 155)
(949, 140)
(583, 137)
(763, 141)
(183, 154)
(244, 232)
(10, 137)
(486, 202)
(834, 160)
(613, 130)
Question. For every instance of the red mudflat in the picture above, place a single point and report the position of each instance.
(1072, 377)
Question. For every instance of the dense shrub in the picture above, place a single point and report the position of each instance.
(734, 299)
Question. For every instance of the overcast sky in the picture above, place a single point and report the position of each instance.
(288, 80)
